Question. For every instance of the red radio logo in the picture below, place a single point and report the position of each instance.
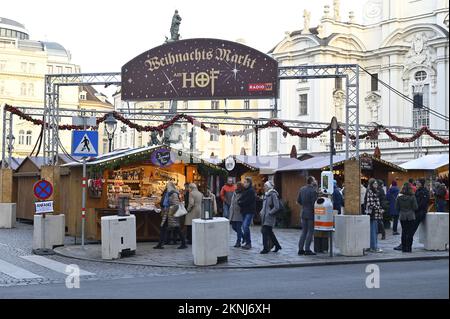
(260, 87)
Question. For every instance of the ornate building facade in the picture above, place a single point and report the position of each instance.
(23, 65)
(404, 43)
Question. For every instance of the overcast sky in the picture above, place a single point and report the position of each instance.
(102, 35)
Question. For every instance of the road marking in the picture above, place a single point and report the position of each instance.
(16, 272)
(53, 265)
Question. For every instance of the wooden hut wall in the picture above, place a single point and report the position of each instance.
(27, 175)
(291, 182)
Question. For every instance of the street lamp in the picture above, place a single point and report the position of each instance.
(110, 127)
(10, 140)
(334, 126)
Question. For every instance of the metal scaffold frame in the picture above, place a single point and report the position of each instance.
(349, 72)
(52, 113)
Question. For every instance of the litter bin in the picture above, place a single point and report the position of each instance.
(323, 223)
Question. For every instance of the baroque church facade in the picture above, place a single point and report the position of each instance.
(403, 43)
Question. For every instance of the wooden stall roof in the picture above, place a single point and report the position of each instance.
(117, 155)
(428, 162)
(266, 165)
(38, 161)
(323, 162)
(15, 162)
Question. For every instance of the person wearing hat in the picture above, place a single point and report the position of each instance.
(268, 217)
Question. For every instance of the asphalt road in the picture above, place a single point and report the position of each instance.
(418, 279)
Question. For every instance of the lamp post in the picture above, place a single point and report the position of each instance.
(110, 127)
(10, 140)
(334, 126)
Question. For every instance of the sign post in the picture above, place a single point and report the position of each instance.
(84, 144)
(43, 190)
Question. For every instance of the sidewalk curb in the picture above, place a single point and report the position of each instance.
(289, 265)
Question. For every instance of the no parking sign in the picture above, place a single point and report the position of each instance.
(42, 189)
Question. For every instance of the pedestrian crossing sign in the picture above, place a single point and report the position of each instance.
(84, 143)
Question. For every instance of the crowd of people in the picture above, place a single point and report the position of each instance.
(407, 204)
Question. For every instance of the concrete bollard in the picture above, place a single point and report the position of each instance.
(54, 231)
(118, 236)
(433, 232)
(7, 215)
(352, 234)
(210, 240)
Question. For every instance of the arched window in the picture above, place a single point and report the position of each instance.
(28, 138)
(21, 137)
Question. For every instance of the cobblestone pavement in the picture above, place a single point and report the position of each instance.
(240, 258)
(17, 243)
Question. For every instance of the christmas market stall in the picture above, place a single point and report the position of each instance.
(26, 174)
(137, 177)
(293, 177)
(260, 169)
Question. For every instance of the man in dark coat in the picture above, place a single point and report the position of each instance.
(307, 198)
(423, 200)
(247, 203)
(385, 205)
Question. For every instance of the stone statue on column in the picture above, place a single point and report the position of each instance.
(306, 21)
(175, 27)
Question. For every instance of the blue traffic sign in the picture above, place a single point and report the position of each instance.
(42, 189)
(84, 143)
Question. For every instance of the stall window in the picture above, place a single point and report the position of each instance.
(273, 142)
(28, 138)
(303, 104)
(213, 137)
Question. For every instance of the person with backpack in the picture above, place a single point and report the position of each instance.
(271, 206)
(307, 198)
(169, 206)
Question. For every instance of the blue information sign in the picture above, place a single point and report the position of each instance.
(84, 143)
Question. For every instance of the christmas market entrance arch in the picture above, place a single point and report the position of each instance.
(195, 81)
(191, 63)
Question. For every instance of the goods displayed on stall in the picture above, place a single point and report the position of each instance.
(143, 186)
